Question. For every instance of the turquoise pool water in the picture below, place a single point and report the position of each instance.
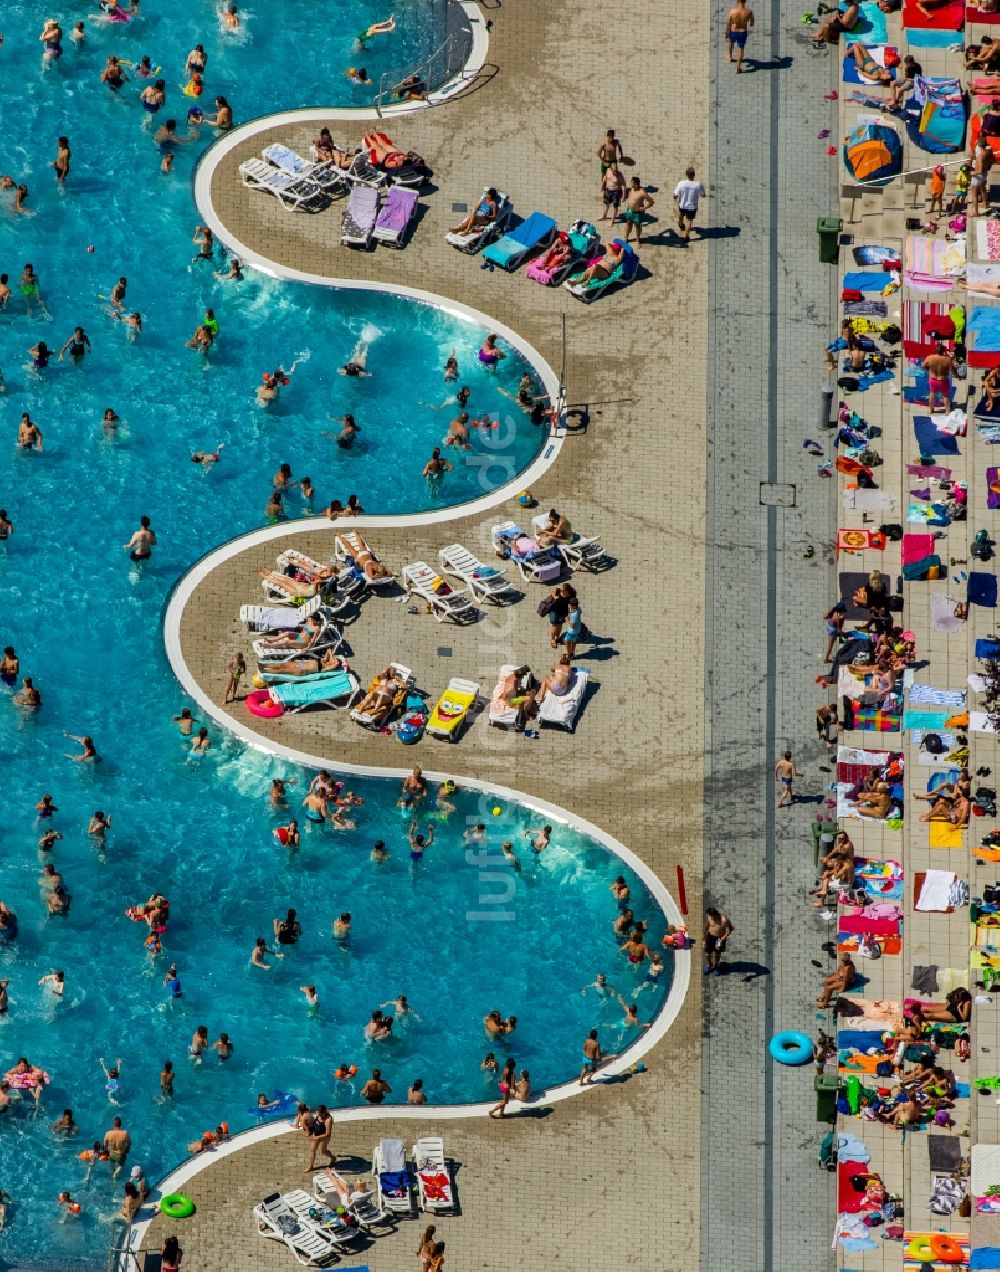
(87, 628)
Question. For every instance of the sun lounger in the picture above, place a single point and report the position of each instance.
(444, 600)
(395, 216)
(363, 172)
(359, 217)
(434, 1186)
(326, 175)
(328, 637)
(370, 1218)
(472, 240)
(351, 548)
(581, 553)
(501, 717)
(623, 274)
(340, 1229)
(452, 708)
(277, 618)
(401, 167)
(583, 240)
(337, 690)
(561, 710)
(294, 193)
(377, 719)
(485, 582)
(534, 233)
(275, 1219)
(392, 1176)
(534, 563)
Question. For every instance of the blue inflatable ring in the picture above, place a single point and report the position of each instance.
(791, 1047)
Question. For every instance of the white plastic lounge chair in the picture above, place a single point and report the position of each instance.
(583, 239)
(534, 564)
(472, 240)
(581, 553)
(277, 618)
(328, 637)
(326, 175)
(395, 216)
(293, 193)
(561, 710)
(534, 233)
(444, 600)
(275, 1219)
(434, 1187)
(375, 719)
(336, 690)
(359, 217)
(363, 172)
(291, 556)
(324, 1218)
(503, 717)
(349, 545)
(452, 709)
(485, 582)
(370, 1218)
(393, 1177)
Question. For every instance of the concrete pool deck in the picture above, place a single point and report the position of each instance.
(549, 1189)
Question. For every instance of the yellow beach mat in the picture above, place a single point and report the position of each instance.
(452, 707)
(945, 835)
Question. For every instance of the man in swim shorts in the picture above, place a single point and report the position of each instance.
(718, 929)
(592, 1057)
(140, 546)
(637, 201)
(939, 366)
(738, 25)
(117, 1143)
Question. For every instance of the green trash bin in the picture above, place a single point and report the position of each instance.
(826, 1096)
(828, 228)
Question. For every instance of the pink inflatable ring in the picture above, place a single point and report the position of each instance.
(260, 703)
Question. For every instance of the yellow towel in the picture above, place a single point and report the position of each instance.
(945, 835)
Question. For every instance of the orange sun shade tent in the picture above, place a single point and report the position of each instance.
(873, 154)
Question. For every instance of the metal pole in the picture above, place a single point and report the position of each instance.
(562, 363)
(826, 406)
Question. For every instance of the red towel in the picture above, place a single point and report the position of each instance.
(972, 14)
(857, 923)
(943, 17)
(848, 1201)
(916, 547)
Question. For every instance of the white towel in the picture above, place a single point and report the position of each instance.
(936, 891)
(928, 696)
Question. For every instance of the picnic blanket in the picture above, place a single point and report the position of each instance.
(931, 440)
(944, 17)
(871, 27)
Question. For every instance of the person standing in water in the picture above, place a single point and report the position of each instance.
(140, 546)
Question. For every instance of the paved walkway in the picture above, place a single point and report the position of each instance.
(552, 1190)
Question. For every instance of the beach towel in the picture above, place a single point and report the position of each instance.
(924, 979)
(859, 540)
(849, 1200)
(865, 281)
(866, 309)
(924, 322)
(944, 835)
(923, 719)
(848, 582)
(927, 39)
(915, 547)
(944, 1152)
(993, 488)
(982, 589)
(988, 233)
(940, 126)
(945, 17)
(934, 895)
(858, 1040)
(987, 647)
(916, 392)
(871, 26)
(943, 615)
(852, 75)
(984, 324)
(859, 925)
(988, 434)
(931, 440)
(985, 1259)
(978, 17)
(930, 696)
(873, 253)
(874, 719)
(981, 411)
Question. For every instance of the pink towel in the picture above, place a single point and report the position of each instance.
(916, 547)
(857, 924)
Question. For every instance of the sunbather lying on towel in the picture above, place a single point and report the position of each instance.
(383, 151)
(956, 1008)
(380, 697)
(309, 665)
(602, 266)
(486, 210)
(834, 26)
(296, 589)
(363, 559)
(300, 638)
(868, 67)
(327, 150)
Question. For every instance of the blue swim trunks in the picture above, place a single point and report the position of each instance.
(739, 38)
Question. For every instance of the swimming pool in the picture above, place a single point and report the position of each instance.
(87, 629)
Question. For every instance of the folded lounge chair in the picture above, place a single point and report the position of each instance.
(583, 239)
(392, 1176)
(485, 582)
(336, 689)
(623, 274)
(326, 175)
(359, 217)
(294, 193)
(534, 563)
(562, 709)
(275, 1219)
(444, 600)
(434, 1187)
(472, 240)
(452, 709)
(534, 233)
(395, 216)
(278, 618)
(377, 719)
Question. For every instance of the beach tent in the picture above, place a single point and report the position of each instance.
(873, 154)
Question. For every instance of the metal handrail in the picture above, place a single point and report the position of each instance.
(390, 81)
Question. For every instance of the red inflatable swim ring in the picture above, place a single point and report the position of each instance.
(260, 703)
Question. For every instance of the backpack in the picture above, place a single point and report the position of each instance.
(933, 743)
(546, 606)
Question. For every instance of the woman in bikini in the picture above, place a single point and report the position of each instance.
(381, 697)
(558, 681)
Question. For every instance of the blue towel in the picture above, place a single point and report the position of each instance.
(983, 589)
(871, 254)
(984, 324)
(919, 389)
(851, 75)
(962, 1090)
(533, 228)
(871, 27)
(920, 39)
(866, 381)
(863, 1039)
(865, 280)
(987, 647)
(930, 441)
(986, 1258)
(916, 719)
